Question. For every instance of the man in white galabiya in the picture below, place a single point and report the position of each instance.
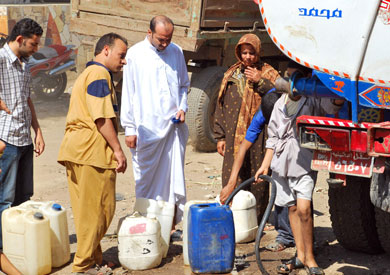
(154, 103)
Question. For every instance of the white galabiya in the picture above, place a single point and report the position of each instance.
(155, 86)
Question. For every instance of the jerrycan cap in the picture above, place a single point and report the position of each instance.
(38, 215)
(57, 207)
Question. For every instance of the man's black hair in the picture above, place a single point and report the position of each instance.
(159, 19)
(267, 104)
(26, 28)
(304, 70)
(108, 40)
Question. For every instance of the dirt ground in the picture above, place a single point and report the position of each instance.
(202, 172)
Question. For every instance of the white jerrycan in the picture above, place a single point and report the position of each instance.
(163, 211)
(139, 242)
(185, 227)
(26, 240)
(245, 217)
(60, 248)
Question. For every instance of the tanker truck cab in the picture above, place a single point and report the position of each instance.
(345, 44)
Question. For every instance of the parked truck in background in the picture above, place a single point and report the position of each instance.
(207, 31)
(345, 43)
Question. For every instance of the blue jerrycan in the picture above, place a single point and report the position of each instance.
(211, 241)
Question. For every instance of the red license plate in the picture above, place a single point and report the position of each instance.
(347, 163)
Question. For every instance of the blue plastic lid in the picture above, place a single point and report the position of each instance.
(57, 207)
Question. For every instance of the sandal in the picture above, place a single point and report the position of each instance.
(105, 270)
(108, 264)
(294, 263)
(177, 236)
(269, 227)
(97, 270)
(276, 246)
(315, 270)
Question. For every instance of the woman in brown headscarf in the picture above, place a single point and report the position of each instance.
(239, 98)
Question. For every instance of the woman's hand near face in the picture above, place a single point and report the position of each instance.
(252, 74)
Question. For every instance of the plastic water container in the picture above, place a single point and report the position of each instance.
(139, 242)
(163, 211)
(245, 217)
(26, 240)
(211, 243)
(185, 227)
(59, 236)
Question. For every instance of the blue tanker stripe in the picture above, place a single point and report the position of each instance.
(98, 88)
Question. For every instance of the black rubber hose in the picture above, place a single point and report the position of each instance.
(266, 215)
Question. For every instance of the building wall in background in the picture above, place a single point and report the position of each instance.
(20, 2)
(54, 20)
(3, 21)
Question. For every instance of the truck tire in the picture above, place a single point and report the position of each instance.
(202, 99)
(380, 197)
(353, 216)
(383, 225)
(380, 189)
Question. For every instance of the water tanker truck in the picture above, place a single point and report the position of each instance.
(344, 42)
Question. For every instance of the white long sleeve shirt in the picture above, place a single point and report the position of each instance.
(155, 86)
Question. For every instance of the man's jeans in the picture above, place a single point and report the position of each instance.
(282, 225)
(16, 178)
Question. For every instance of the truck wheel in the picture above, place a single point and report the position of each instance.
(380, 189)
(202, 99)
(380, 197)
(383, 225)
(353, 216)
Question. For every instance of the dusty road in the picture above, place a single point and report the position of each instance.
(202, 171)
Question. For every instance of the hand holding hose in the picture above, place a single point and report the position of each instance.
(262, 171)
(225, 192)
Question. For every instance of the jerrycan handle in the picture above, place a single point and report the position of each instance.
(136, 214)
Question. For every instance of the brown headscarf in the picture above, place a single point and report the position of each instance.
(250, 100)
